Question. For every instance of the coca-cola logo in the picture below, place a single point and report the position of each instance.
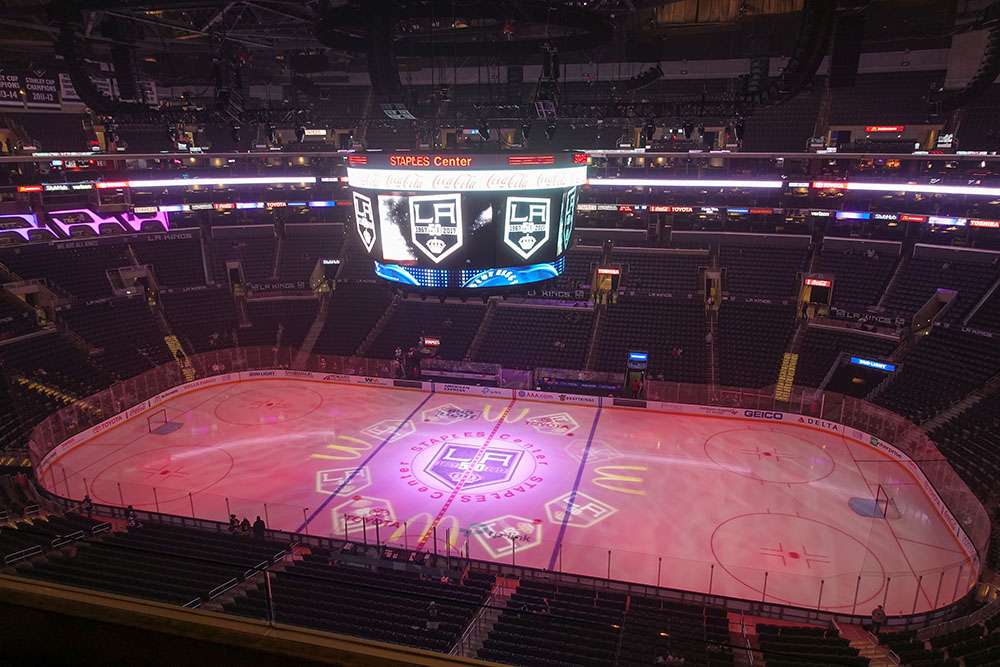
(514, 179)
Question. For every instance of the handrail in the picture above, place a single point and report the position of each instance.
(22, 554)
(987, 611)
(497, 593)
(746, 638)
(66, 539)
(222, 588)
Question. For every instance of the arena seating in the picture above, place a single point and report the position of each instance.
(988, 315)
(821, 346)
(52, 131)
(203, 319)
(580, 265)
(455, 324)
(124, 338)
(124, 332)
(662, 272)
(177, 262)
(357, 264)
(920, 278)
(45, 365)
(656, 327)
(971, 442)
(875, 97)
(787, 126)
(255, 254)
(752, 340)
(13, 433)
(353, 311)
(39, 531)
(159, 562)
(281, 322)
(793, 646)
(145, 138)
(860, 278)
(761, 271)
(304, 245)
(588, 627)
(70, 268)
(381, 603)
(16, 318)
(17, 495)
(912, 651)
(952, 361)
(537, 336)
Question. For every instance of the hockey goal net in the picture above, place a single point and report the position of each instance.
(156, 421)
(882, 502)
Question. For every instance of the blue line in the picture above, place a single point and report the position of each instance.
(368, 459)
(576, 486)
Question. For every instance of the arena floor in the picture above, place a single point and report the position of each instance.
(710, 504)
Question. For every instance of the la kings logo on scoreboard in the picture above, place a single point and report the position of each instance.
(566, 221)
(527, 223)
(364, 217)
(436, 224)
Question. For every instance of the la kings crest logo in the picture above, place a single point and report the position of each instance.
(566, 221)
(526, 225)
(436, 224)
(364, 217)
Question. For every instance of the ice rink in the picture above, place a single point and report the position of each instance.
(721, 505)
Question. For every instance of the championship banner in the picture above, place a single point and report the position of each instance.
(11, 84)
(66, 89)
(41, 89)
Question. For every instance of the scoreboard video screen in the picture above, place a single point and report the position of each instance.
(470, 220)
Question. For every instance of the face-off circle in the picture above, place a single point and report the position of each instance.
(261, 407)
(769, 456)
(799, 556)
(167, 469)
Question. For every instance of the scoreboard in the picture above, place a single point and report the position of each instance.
(466, 220)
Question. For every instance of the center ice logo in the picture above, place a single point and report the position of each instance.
(457, 462)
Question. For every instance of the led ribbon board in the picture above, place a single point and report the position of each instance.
(486, 180)
(871, 363)
(685, 183)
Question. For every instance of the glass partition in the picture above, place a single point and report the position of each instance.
(904, 593)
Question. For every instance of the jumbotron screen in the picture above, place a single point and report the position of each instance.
(465, 220)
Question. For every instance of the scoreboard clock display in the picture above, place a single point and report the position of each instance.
(465, 220)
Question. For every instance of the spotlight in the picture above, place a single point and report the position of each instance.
(300, 134)
(525, 129)
(484, 131)
(550, 131)
(649, 130)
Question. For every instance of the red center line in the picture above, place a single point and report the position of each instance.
(465, 476)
